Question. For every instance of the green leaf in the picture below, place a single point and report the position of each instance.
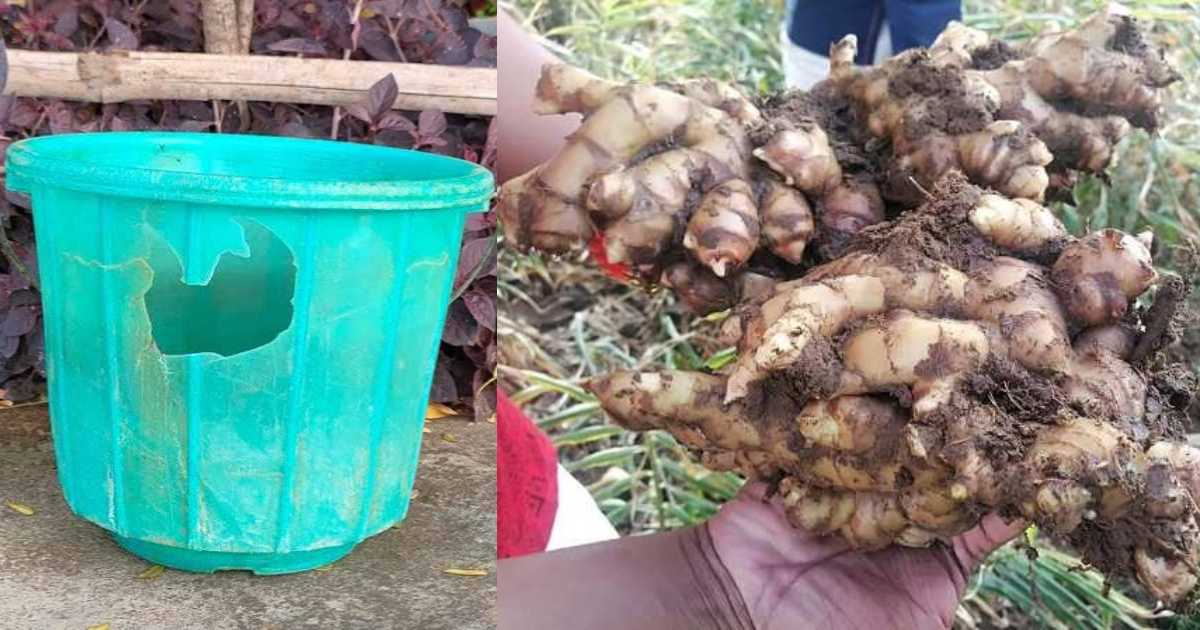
(152, 572)
(615, 456)
(19, 508)
(720, 359)
(587, 435)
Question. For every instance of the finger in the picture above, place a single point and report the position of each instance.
(752, 530)
(754, 491)
(992, 533)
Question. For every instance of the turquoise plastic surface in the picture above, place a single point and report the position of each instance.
(241, 334)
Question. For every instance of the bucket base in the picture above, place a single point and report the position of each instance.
(211, 561)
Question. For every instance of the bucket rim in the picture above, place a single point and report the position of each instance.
(41, 160)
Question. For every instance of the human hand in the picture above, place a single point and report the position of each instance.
(790, 578)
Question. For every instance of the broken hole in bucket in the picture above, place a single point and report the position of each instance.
(246, 303)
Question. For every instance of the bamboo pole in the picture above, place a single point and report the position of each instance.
(222, 35)
(117, 76)
(245, 20)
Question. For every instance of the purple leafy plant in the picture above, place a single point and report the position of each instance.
(412, 31)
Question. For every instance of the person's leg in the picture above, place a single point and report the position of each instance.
(816, 24)
(916, 23)
(802, 68)
(883, 46)
(578, 520)
(812, 26)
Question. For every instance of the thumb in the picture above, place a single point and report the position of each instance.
(993, 532)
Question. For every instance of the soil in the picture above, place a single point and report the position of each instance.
(995, 54)
(1162, 319)
(814, 376)
(922, 83)
(1185, 345)
(1170, 398)
(1128, 39)
(943, 233)
(1004, 406)
(1108, 547)
(1018, 393)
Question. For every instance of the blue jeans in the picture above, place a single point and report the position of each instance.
(815, 24)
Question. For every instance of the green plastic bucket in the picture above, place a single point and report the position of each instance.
(241, 334)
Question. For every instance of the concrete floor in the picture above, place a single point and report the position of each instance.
(59, 572)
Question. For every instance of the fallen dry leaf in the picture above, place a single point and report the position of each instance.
(151, 572)
(465, 572)
(438, 410)
(450, 437)
(102, 626)
(19, 508)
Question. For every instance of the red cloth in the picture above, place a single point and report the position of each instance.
(526, 483)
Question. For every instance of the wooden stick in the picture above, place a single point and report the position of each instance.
(221, 32)
(117, 76)
(245, 20)
(223, 36)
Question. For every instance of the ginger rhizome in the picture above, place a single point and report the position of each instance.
(968, 357)
(1005, 116)
(695, 187)
(920, 341)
